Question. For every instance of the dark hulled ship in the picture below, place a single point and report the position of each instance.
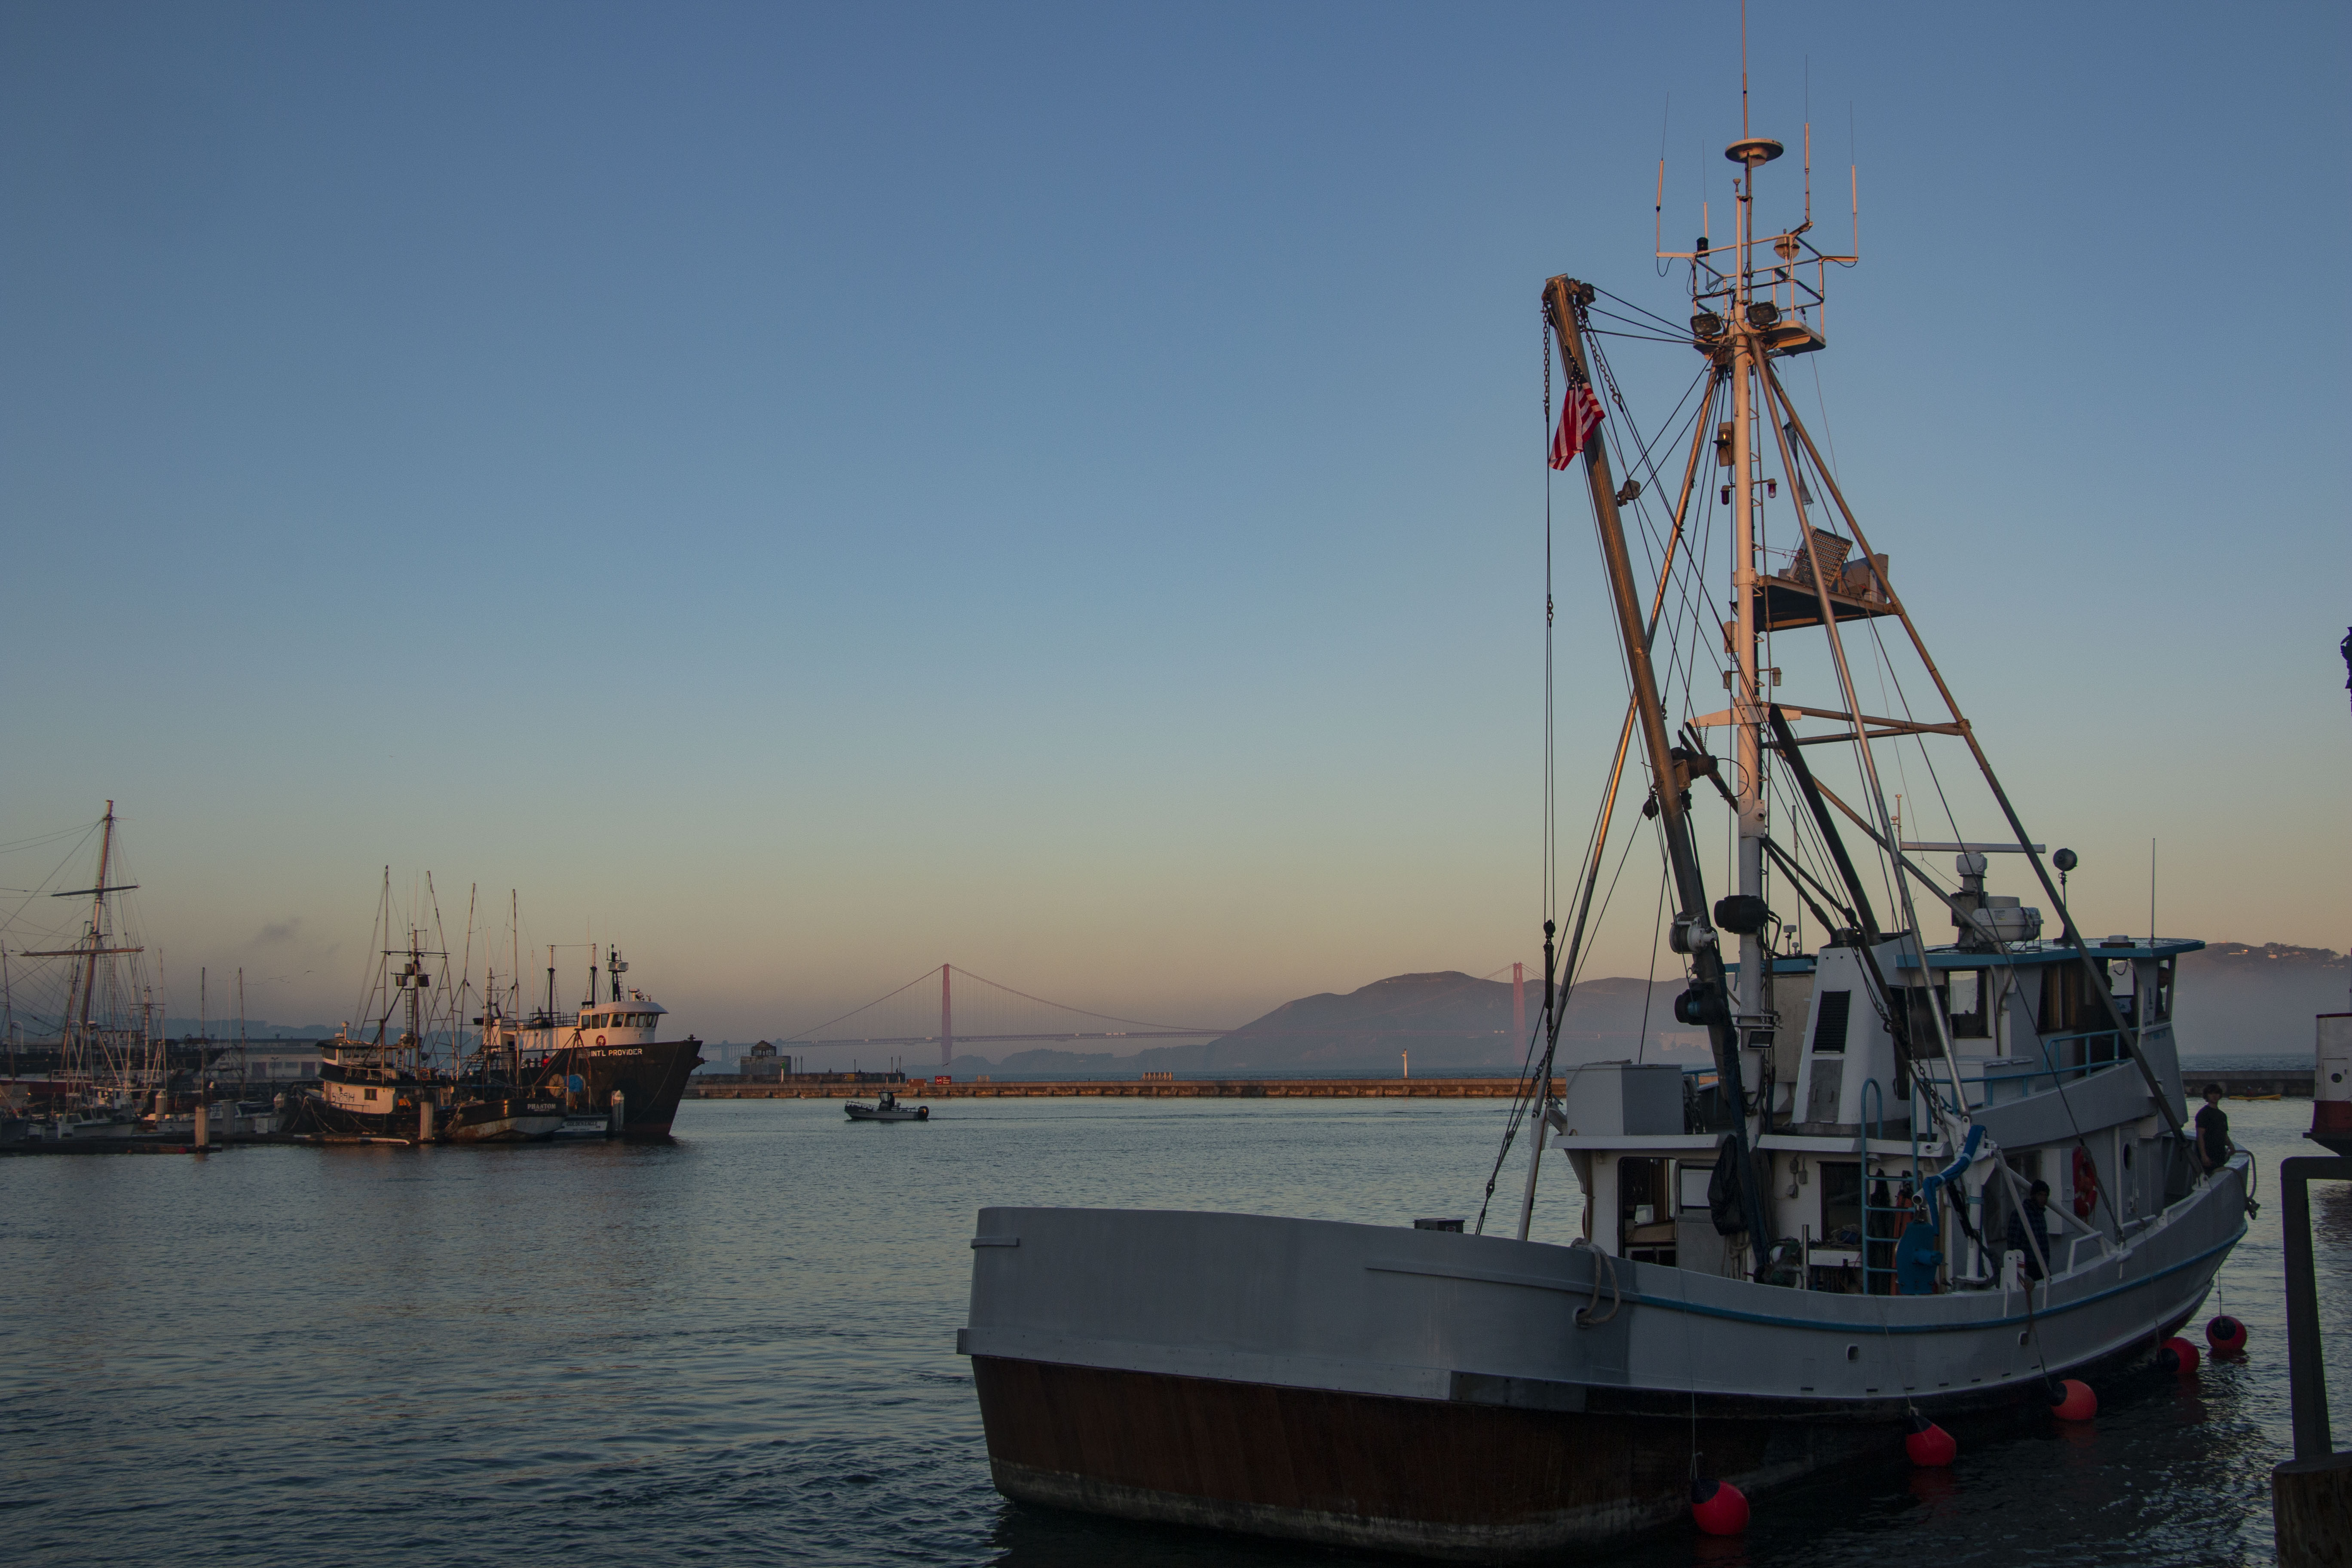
(604, 1060)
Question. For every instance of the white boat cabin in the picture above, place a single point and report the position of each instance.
(1847, 1140)
(634, 1019)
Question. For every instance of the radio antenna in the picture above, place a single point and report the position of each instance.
(1665, 121)
(1853, 178)
(1743, 70)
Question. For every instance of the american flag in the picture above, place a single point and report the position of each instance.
(1578, 420)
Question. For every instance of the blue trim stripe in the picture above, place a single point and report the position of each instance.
(1971, 1326)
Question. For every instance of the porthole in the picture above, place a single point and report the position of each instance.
(1854, 1352)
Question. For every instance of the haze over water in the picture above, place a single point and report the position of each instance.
(742, 1347)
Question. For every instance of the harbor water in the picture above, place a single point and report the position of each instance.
(741, 1347)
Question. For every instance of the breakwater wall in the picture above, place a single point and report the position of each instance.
(1132, 1088)
(2293, 1083)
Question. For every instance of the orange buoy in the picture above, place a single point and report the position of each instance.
(1929, 1445)
(2073, 1400)
(2226, 1335)
(2183, 1354)
(1717, 1508)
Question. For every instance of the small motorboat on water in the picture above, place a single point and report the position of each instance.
(887, 1109)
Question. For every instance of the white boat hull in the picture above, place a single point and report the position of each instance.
(1433, 1393)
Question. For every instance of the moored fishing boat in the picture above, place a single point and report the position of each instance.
(1925, 1178)
(605, 1062)
(380, 1087)
(417, 1087)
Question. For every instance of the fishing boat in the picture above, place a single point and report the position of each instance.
(1829, 1240)
(418, 1086)
(379, 1087)
(886, 1109)
(603, 1062)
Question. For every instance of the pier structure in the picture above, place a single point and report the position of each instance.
(1150, 1088)
(2240, 1083)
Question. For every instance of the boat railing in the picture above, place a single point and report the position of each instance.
(2100, 1048)
(2097, 1242)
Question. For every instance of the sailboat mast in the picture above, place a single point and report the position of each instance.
(97, 926)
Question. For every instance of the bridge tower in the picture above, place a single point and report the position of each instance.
(946, 1018)
(1519, 1005)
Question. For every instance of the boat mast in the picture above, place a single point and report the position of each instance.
(514, 983)
(1669, 776)
(1746, 717)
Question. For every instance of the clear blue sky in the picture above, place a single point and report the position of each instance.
(812, 493)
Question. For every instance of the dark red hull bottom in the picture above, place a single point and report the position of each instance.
(1440, 1478)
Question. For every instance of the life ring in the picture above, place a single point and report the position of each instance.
(2086, 1183)
(600, 1039)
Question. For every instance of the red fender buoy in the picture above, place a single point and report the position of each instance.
(2183, 1354)
(2226, 1335)
(1929, 1445)
(2073, 1401)
(1717, 1508)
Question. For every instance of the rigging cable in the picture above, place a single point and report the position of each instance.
(1525, 1095)
(1548, 871)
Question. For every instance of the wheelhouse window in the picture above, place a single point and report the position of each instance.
(2160, 994)
(1967, 1002)
(2063, 1001)
(1841, 1190)
(1645, 1215)
(1829, 1025)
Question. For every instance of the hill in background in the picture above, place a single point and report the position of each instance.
(2234, 999)
(1449, 1021)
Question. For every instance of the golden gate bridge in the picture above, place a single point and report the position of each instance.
(996, 1014)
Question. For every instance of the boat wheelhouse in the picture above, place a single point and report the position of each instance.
(1849, 1142)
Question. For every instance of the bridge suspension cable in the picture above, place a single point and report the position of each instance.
(947, 1037)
